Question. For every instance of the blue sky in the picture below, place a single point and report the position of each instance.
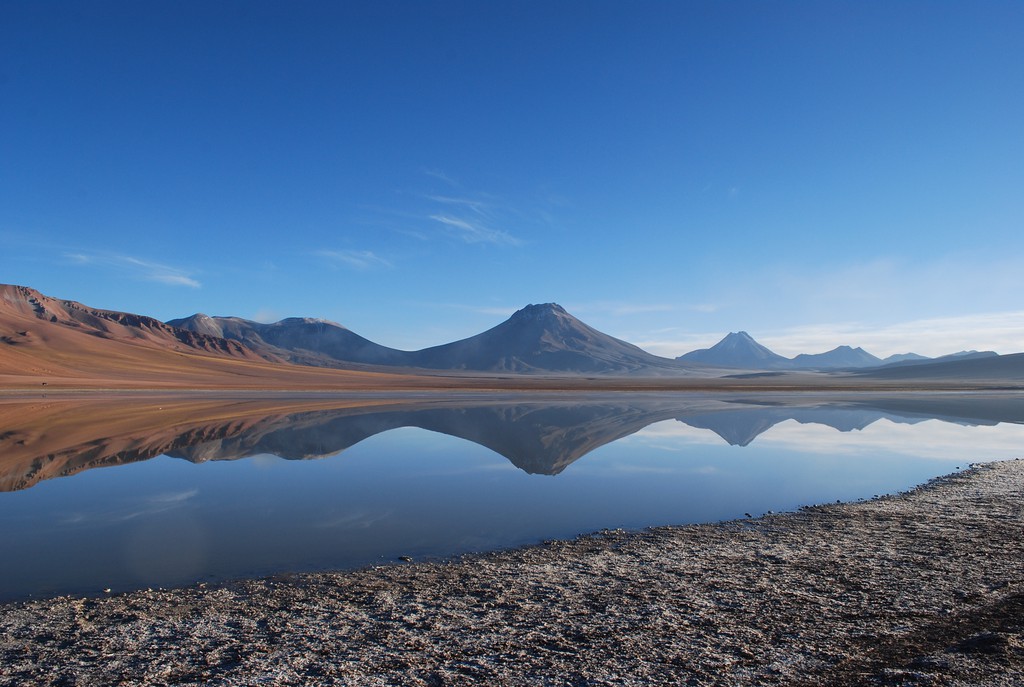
(815, 173)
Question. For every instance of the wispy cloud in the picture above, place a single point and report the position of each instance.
(266, 315)
(132, 508)
(413, 233)
(479, 207)
(173, 496)
(359, 259)
(499, 310)
(618, 308)
(676, 345)
(453, 211)
(137, 268)
(479, 217)
(473, 231)
(441, 176)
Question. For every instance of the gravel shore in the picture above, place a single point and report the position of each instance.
(923, 588)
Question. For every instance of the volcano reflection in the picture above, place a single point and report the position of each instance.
(156, 519)
(538, 436)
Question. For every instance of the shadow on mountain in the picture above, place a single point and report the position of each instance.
(538, 436)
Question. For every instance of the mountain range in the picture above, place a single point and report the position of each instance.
(740, 350)
(44, 337)
(537, 339)
(301, 340)
(541, 338)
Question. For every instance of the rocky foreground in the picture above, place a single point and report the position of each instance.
(924, 588)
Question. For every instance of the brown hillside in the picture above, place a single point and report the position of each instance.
(60, 343)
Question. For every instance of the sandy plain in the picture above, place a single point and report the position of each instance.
(923, 588)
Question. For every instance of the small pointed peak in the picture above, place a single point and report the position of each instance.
(545, 307)
(533, 311)
(738, 338)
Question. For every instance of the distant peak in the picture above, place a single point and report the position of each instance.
(293, 321)
(543, 307)
(738, 338)
(533, 311)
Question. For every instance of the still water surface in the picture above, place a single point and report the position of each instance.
(282, 491)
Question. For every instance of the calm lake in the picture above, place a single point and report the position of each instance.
(114, 494)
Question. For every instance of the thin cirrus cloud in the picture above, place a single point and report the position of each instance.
(357, 259)
(475, 231)
(480, 207)
(471, 217)
(441, 176)
(137, 268)
(619, 308)
(133, 508)
(497, 310)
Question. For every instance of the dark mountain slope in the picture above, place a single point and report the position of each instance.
(985, 368)
(544, 338)
(740, 350)
(838, 357)
(300, 340)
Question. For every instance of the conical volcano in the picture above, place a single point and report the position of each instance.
(738, 349)
(543, 338)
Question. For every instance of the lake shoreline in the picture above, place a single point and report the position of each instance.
(331, 381)
(925, 587)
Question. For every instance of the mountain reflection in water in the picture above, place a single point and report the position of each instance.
(651, 459)
(539, 436)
